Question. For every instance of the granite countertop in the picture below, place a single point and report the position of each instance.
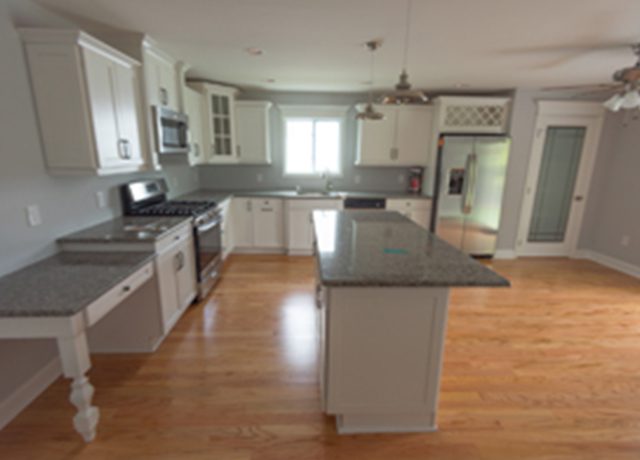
(66, 283)
(377, 248)
(221, 195)
(127, 230)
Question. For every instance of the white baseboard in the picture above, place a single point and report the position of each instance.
(505, 254)
(608, 261)
(29, 391)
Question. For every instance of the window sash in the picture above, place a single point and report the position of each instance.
(313, 161)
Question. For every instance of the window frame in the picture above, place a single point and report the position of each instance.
(313, 113)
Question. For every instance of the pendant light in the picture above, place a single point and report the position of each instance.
(403, 93)
(369, 112)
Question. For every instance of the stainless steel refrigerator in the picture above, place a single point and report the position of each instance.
(470, 178)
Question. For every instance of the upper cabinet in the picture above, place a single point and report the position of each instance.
(159, 83)
(194, 108)
(465, 114)
(253, 144)
(87, 96)
(402, 138)
(218, 122)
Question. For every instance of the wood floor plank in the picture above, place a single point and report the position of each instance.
(548, 369)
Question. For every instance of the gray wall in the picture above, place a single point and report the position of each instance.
(613, 209)
(246, 177)
(66, 203)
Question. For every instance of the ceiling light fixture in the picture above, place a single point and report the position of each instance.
(628, 99)
(369, 112)
(403, 93)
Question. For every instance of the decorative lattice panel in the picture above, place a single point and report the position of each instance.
(481, 116)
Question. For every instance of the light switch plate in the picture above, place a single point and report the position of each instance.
(259, 177)
(357, 179)
(33, 215)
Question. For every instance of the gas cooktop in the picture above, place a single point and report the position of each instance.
(175, 208)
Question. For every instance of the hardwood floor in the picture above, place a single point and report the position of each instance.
(548, 369)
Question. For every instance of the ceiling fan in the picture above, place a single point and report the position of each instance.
(625, 86)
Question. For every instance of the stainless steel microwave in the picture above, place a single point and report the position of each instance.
(171, 131)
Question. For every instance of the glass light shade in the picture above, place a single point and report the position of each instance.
(631, 99)
(614, 103)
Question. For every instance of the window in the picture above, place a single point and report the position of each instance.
(313, 139)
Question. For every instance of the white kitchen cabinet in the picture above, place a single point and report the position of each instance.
(402, 138)
(193, 104)
(219, 122)
(98, 88)
(176, 269)
(161, 77)
(242, 222)
(268, 223)
(228, 241)
(258, 224)
(253, 144)
(159, 83)
(418, 210)
(299, 223)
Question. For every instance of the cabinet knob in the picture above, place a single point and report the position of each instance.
(124, 150)
(126, 288)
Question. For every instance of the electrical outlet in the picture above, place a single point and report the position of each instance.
(259, 177)
(101, 199)
(625, 241)
(401, 179)
(357, 179)
(174, 182)
(33, 215)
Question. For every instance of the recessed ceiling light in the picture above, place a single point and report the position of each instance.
(254, 51)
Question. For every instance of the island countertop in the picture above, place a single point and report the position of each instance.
(378, 248)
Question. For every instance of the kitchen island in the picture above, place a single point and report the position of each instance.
(382, 291)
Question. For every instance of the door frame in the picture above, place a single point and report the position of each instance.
(559, 113)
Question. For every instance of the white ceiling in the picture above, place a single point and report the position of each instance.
(317, 44)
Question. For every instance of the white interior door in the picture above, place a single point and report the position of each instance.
(560, 170)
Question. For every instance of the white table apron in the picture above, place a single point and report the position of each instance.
(71, 338)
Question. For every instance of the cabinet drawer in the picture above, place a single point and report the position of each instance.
(117, 294)
(174, 238)
(403, 204)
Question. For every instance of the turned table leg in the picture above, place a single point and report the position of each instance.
(74, 354)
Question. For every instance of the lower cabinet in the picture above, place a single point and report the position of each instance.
(258, 224)
(300, 224)
(228, 241)
(418, 210)
(176, 271)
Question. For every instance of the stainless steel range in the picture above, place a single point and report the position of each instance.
(149, 198)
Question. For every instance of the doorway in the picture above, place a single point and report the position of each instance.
(560, 170)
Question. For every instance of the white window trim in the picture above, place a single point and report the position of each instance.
(315, 112)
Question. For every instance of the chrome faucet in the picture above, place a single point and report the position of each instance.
(328, 184)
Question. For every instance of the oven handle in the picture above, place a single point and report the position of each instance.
(210, 225)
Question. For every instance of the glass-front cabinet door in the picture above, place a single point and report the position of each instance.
(219, 125)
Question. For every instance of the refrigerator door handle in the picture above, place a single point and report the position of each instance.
(469, 183)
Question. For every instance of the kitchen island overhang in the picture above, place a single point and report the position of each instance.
(383, 292)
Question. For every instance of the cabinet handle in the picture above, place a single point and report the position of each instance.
(238, 151)
(179, 261)
(123, 149)
(126, 288)
(393, 153)
(164, 96)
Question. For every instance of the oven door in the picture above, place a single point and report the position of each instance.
(171, 131)
(209, 253)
